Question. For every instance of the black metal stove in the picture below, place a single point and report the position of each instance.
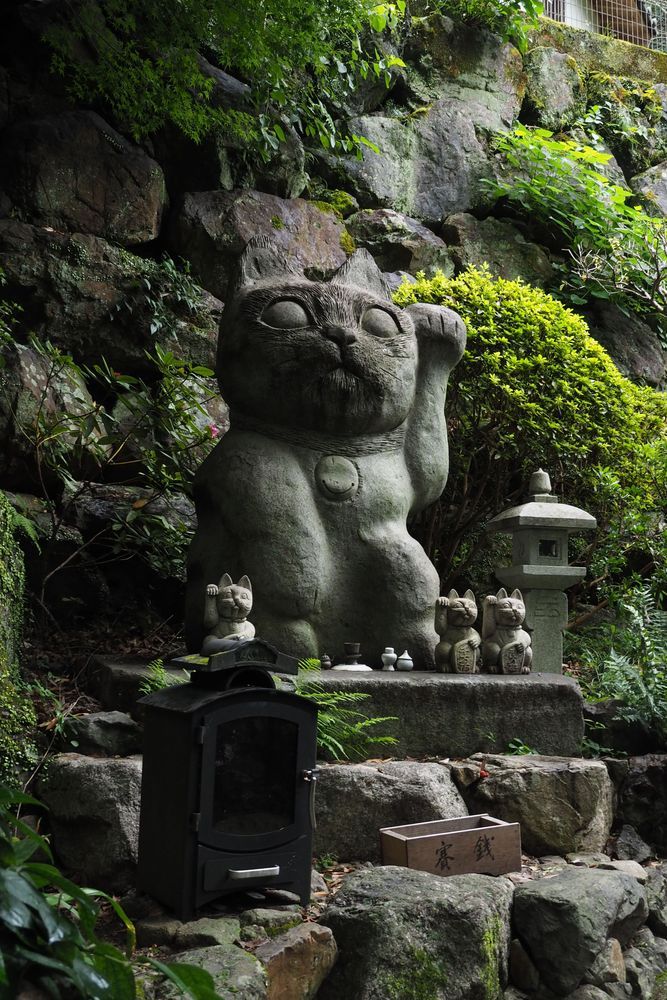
(228, 782)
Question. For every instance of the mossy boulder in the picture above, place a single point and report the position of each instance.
(555, 93)
(410, 935)
(17, 716)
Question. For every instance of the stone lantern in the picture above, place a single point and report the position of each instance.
(539, 529)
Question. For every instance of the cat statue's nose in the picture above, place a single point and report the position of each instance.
(340, 335)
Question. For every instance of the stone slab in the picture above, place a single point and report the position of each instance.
(116, 681)
(457, 715)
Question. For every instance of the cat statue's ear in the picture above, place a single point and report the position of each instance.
(262, 260)
(517, 595)
(245, 582)
(361, 270)
(469, 596)
(502, 593)
(453, 595)
(225, 581)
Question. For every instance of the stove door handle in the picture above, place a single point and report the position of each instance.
(241, 873)
(310, 776)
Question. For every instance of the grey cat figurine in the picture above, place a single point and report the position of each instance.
(226, 608)
(458, 651)
(506, 647)
(337, 437)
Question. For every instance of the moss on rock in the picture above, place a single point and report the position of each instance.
(17, 716)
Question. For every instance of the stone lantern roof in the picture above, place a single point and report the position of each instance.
(542, 510)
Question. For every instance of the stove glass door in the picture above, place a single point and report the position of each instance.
(254, 776)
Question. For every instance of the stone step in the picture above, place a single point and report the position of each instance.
(456, 715)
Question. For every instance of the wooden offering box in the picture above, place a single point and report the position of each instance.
(479, 844)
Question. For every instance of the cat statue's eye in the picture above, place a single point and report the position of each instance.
(286, 314)
(379, 323)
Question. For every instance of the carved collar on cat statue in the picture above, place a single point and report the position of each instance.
(337, 436)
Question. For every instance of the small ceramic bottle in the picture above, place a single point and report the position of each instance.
(404, 662)
(389, 658)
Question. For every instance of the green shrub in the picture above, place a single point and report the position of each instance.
(17, 716)
(534, 389)
(616, 250)
(512, 19)
(49, 946)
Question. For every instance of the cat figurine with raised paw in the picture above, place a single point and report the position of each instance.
(506, 646)
(337, 437)
(458, 651)
(226, 609)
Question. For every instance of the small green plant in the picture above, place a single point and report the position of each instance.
(511, 19)
(48, 928)
(342, 732)
(591, 748)
(159, 678)
(518, 748)
(617, 251)
(636, 677)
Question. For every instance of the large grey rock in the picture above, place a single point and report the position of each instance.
(335, 395)
(298, 962)
(237, 975)
(463, 62)
(403, 933)
(564, 921)
(500, 245)
(643, 799)
(355, 800)
(651, 185)
(630, 846)
(645, 959)
(211, 229)
(86, 296)
(108, 734)
(563, 805)
(73, 171)
(94, 817)
(457, 715)
(35, 391)
(656, 893)
(399, 243)
(555, 93)
(428, 166)
(638, 353)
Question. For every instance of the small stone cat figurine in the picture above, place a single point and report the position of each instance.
(337, 436)
(458, 651)
(506, 647)
(226, 608)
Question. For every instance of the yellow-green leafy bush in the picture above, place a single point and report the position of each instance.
(534, 389)
(17, 715)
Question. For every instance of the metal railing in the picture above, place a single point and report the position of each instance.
(643, 22)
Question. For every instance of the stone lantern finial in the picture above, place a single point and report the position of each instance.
(540, 482)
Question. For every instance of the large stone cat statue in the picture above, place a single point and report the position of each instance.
(337, 437)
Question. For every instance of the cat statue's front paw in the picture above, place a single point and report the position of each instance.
(212, 590)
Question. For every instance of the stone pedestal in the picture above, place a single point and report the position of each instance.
(455, 715)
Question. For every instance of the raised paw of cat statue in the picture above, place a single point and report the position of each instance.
(226, 608)
(506, 646)
(458, 651)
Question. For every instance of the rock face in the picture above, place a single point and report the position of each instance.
(107, 734)
(652, 186)
(73, 171)
(399, 243)
(355, 800)
(635, 349)
(85, 295)
(236, 974)
(555, 88)
(404, 933)
(335, 395)
(564, 922)
(428, 166)
(498, 244)
(211, 228)
(94, 816)
(643, 799)
(34, 393)
(563, 805)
